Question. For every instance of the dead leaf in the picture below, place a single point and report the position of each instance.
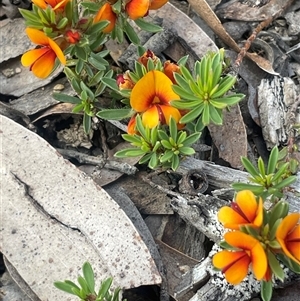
(55, 218)
(236, 10)
(206, 13)
(231, 137)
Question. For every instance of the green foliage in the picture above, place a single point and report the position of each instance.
(86, 289)
(204, 93)
(268, 181)
(157, 147)
(266, 290)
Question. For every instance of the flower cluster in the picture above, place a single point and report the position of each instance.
(55, 25)
(258, 238)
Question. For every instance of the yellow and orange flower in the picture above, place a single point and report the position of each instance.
(169, 69)
(151, 97)
(55, 4)
(139, 8)
(235, 264)
(106, 13)
(42, 60)
(288, 236)
(244, 211)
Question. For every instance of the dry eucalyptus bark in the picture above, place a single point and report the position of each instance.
(276, 99)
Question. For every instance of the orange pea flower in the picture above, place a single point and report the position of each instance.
(148, 55)
(244, 211)
(55, 4)
(288, 236)
(156, 4)
(235, 264)
(139, 8)
(124, 81)
(106, 13)
(73, 37)
(42, 60)
(151, 97)
(169, 69)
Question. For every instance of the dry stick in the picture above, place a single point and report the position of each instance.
(255, 32)
(207, 14)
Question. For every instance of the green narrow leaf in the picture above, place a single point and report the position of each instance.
(88, 274)
(286, 182)
(144, 25)
(96, 63)
(173, 128)
(111, 83)
(131, 34)
(66, 98)
(215, 116)
(175, 162)
(261, 167)
(280, 172)
(65, 287)
(83, 284)
(266, 290)
(79, 66)
(87, 123)
(191, 139)
(183, 60)
(272, 160)
(153, 162)
(187, 151)
(81, 53)
(105, 286)
(193, 114)
(206, 114)
(166, 156)
(225, 85)
(114, 114)
(250, 167)
(275, 266)
(256, 189)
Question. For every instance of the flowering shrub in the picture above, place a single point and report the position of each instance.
(258, 238)
(166, 106)
(173, 103)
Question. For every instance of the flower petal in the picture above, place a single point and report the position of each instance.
(240, 240)
(230, 218)
(259, 214)
(287, 225)
(58, 52)
(247, 203)
(294, 248)
(131, 126)
(234, 265)
(37, 36)
(156, 4)
(106, 13)
(286, 230)
(40, 3)
(31, 56)
(163, 88)
(294, 235)
(259, 261)
(143, 93)
(169, 111)
(137, 8)
(150, 118)
(238, 271)
(43, 66)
